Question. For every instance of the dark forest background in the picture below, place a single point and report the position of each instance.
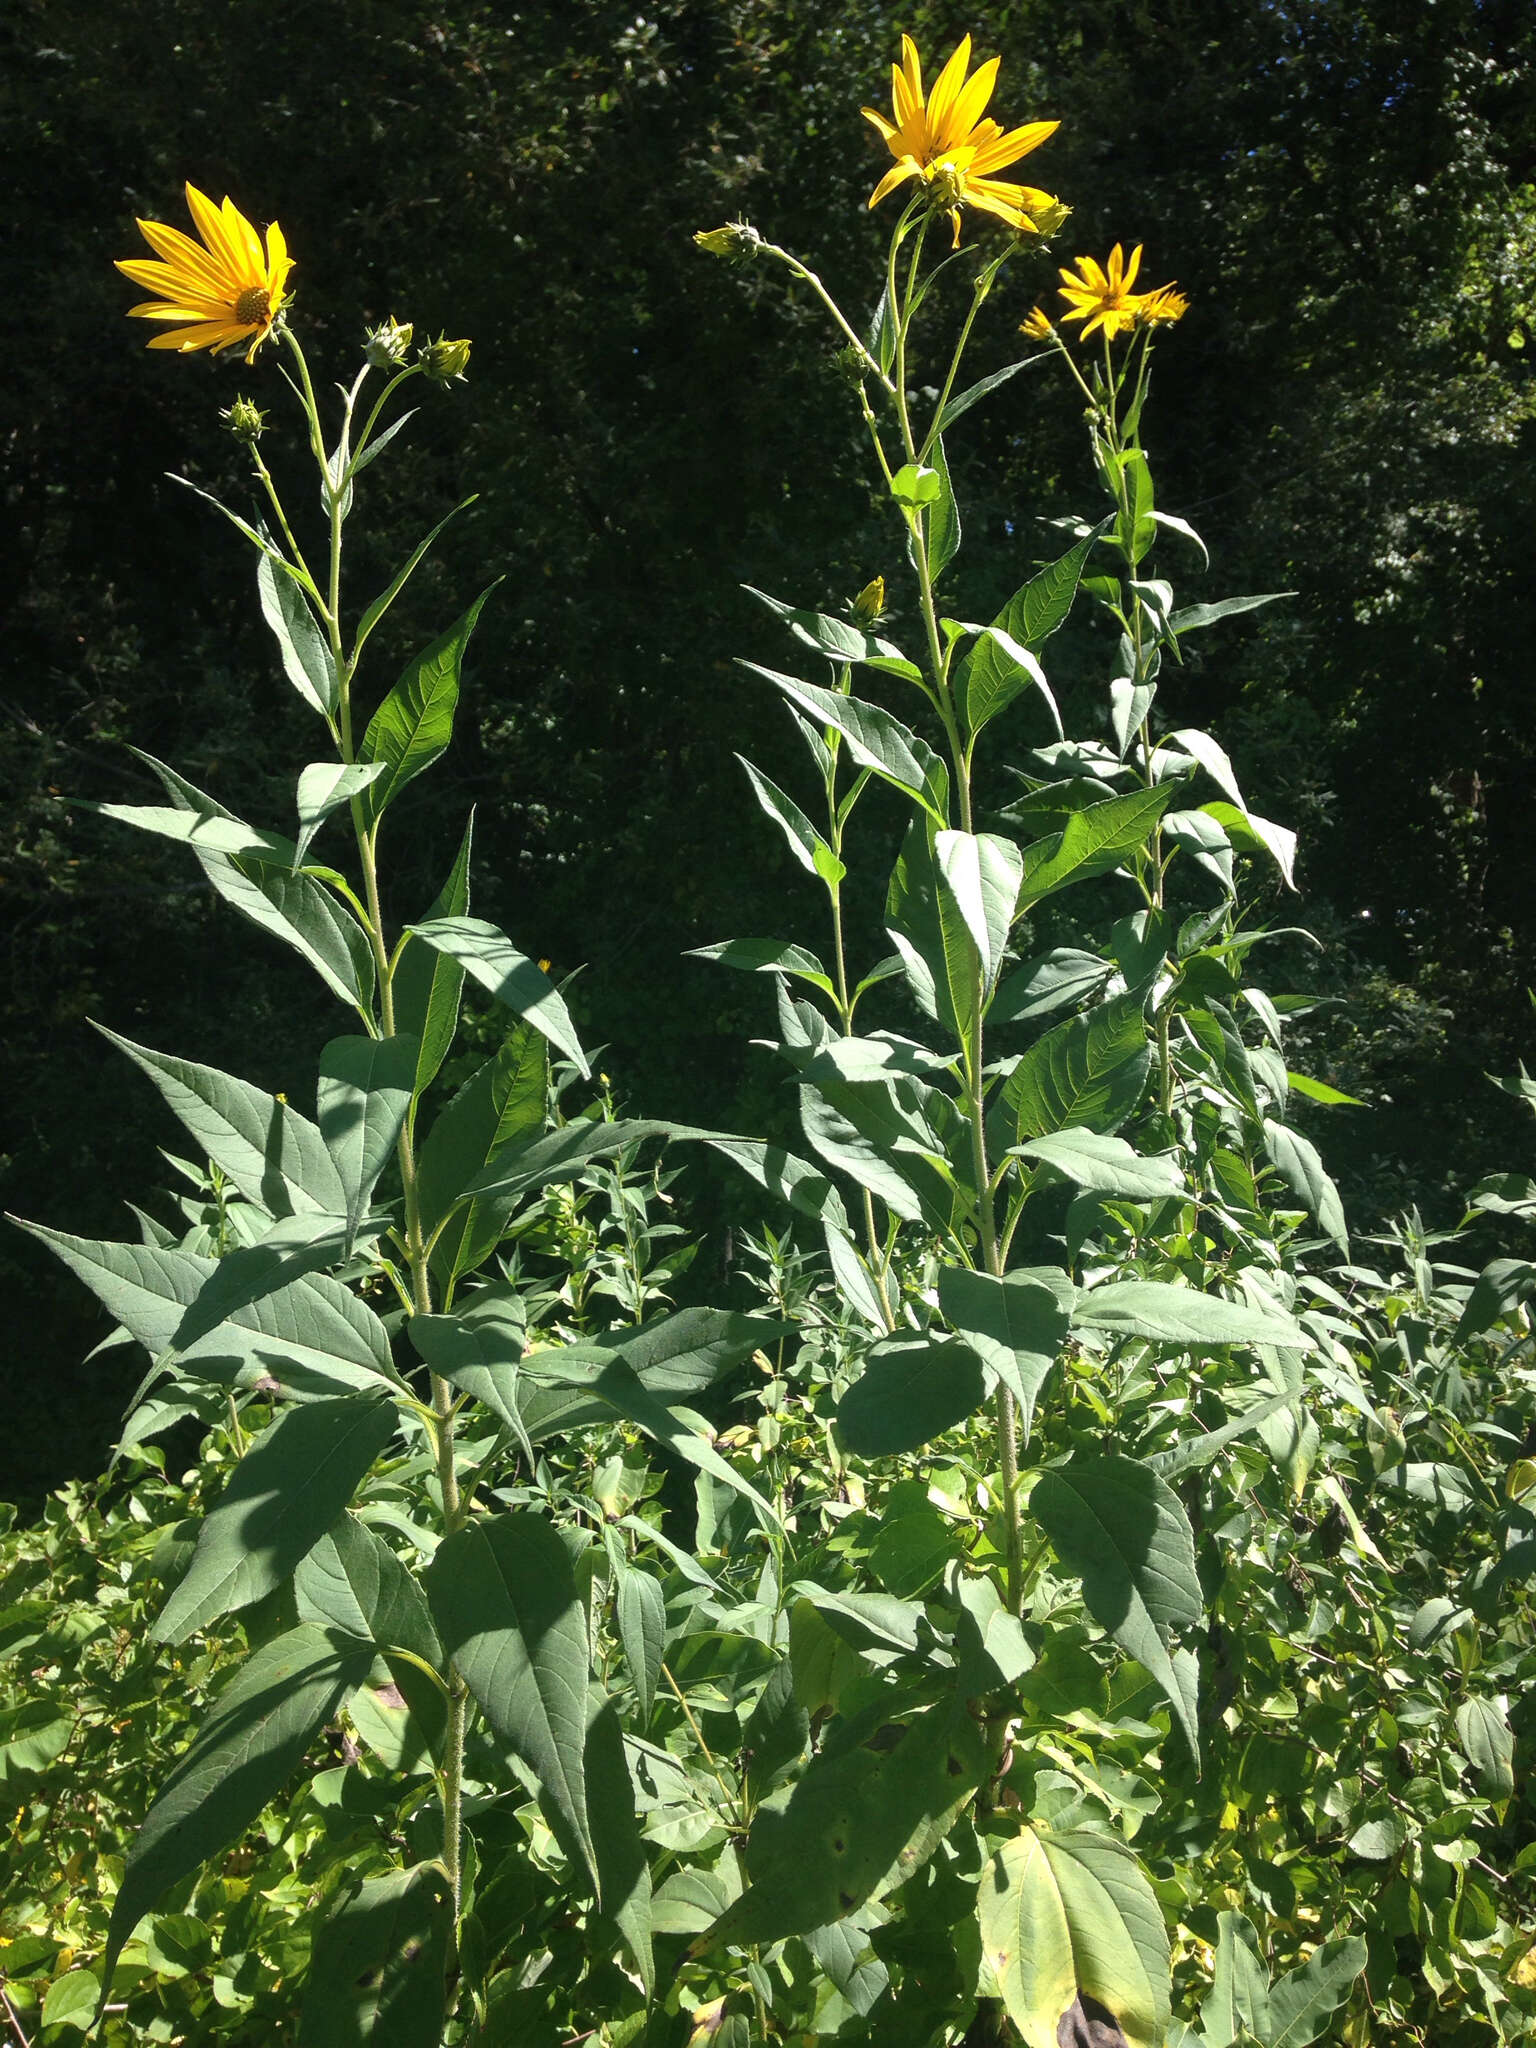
(1344, 190)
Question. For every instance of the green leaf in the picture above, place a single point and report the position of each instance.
(1016, 1326)
(1138, 533)
(837, 639)
(562, 1154)
(1125, 1534)
(1090, 1072)
(275, 1157)
(291, 1248)
(1303, 1172)
(912, 1389)
(857, 1824)
(1303, 2000)
(940, 516)
(914, 484)
(488, 956)
(1056, 981)
(1169, 1314)
(307, 660)
(352, 1581)
(71, 2000)
(1093, 842)
(875, 740)
(1237, 2004)
(1482, 1729)
(502, 1105)
(293, 907)
(964, 400)
(204, 832)
(249, 1745)
(285, 1493)
(858, 1133)
(992, 688)
(800, 835)
(364, 1093)
(397, 583)
(324, 787)
(777, 1731)
(980, 875)
(1252, 834)
(642, 1617)
(623, 1875)
(376, 1972)
(1108, 1165)
(505, 1601)
(413, 726)
(1195, 616)
(427, 983)
(766, 956)
(480, 1349)
(1068, 1913)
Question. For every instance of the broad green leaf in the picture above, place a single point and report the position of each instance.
(1090, 1072)
(249, 1745)
(1093, 842)
(203, 832)
(940, 516)
(777, 1731)
(642, 1618)
(489, 957)
(1068, 1913)
(1297, 1161)
(1482, 1729)
(352, 1581)
(1108, 1165)
(324, 787)
(766, 956)
(838, 639)
(1502, 1285)
(912, 1389)
(1212, 757)
(980, 875)
(480, 1349)
(865, 1620)
(502, 1105)
(793, 1180)
(1125, 1534)
(988, 677)
(71, 2000)
(293, 907)
(623, 1875)
(993, 1651)
(364, 1093)
(282, 1497)
(875, 739)
(562, 1154)
(376, 1972)
(290, 1249)
(857, 1824)
(1303, 2001)
(991, 689)
(1252, 834)
(507, 1608)
(413, 726)
(275, 1157)
(929, 935)
(1058, 980)
(308, 1336)
(1199, 1448)
(916, 484)
(1016, 1326)
(427, 984)
(800, 835)
(1169, 1314)
(858, 1135)
(307, 660)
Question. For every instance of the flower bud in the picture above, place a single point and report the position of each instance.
(445, 361)
(868, 606)
(247, 422)
(385, 346)
(1036, 324)
(736, 242)
(1050, 220)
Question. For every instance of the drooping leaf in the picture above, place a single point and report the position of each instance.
(282, 1497)
(1303, 1171)
(376, 1974)
(414, 724)
(251, 1742)
(1058, 980)
(1016, 1326)
(324, 787)
(275, 1157)
(800, 835)
(1168, 1314)
(489, 957)
(507, 1608)
(290, 1249)
(1125, 1534)
(980, 875)
(642, 1618)
(364, 1093)
(1482, 1729)
(766, 956)
(874, 738)
(912, 1389)
(307, 660)
(1068, 1913)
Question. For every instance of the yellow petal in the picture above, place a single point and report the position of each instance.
(209, 221)
(972, 102)
(946, 89)
(1133, 266)
(897, 175)
(887, 132)
(1007, 149)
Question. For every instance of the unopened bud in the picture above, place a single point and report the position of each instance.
(1036, 324)
(1049, 220)
(247, 422)
(870, 603)
(385, 346)
(445, 361)
(737, 242)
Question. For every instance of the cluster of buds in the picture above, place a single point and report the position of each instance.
(736, 242)
(385, 346)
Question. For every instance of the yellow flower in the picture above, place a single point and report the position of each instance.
(228, 288)
(1162, 307)
(1103, 298)
(943, 140)
(1036, 324)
